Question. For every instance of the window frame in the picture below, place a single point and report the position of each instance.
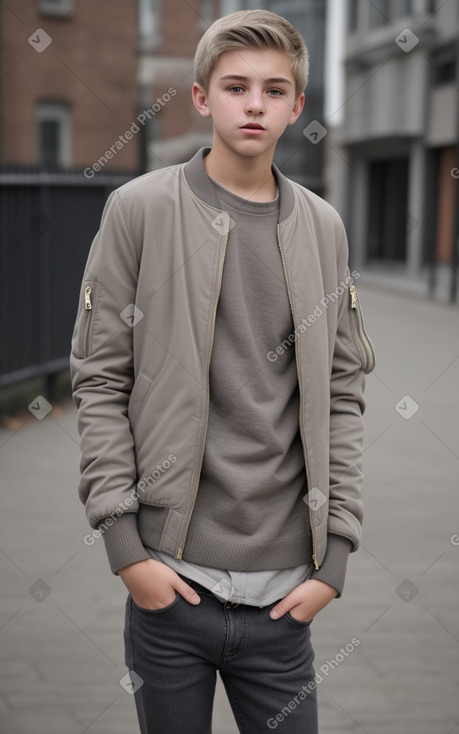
(149, 25)
(60, 112)
(56, 8)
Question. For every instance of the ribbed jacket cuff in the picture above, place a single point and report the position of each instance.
(122, 541)
(333, 568)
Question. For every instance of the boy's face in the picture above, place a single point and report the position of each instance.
(251, 100)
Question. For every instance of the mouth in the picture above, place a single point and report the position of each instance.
(253, 128)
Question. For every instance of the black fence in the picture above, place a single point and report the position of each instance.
(47, 223)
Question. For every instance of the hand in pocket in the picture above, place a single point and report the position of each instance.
(153, 585)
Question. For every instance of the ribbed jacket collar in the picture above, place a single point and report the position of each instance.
(201, 184)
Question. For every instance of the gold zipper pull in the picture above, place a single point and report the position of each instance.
(87, 298)
(314, 558)
(353, 293)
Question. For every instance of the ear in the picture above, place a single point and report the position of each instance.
(199, 95)
(297, 109)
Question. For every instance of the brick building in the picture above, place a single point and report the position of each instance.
(68, 85)
(114, 95)
(68, 99)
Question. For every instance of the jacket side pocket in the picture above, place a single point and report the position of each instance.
(138, 397)
(359, 334)
(90, 289)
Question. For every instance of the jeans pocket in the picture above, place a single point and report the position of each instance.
(161, 610)
(298, 622)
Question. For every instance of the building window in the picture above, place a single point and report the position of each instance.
(207, 12)
(353, 15)
(57, 8)
(229, 6)
(400, 8)
(388, 223)
(380, 15)
(364, 14)
(254, 4)
(149, 24)
(444, 62)
(54, 135)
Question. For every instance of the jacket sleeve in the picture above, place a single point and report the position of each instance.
(353, 357)
(101, 367)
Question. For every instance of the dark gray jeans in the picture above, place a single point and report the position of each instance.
(266, 666)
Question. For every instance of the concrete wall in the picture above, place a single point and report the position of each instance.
(395, 108)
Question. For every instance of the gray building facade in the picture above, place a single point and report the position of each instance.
(399, 141)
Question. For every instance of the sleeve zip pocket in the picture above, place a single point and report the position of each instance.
(89, 294)
(359, 334)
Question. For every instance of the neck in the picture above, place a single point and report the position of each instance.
(249, 177)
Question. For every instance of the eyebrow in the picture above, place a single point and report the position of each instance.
(274, 80)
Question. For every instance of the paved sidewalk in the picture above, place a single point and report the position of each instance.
(61, 610)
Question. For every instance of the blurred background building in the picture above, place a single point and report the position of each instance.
(68, 90)
(68, 82)
(168, 35)
(397, 142)
(92, 94)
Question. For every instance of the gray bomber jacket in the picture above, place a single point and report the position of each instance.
(141, 353)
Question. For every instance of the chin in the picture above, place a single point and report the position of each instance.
(251, 148)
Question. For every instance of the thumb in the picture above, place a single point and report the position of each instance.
(187, 592)
(283, 607)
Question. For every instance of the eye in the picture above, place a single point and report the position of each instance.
(275, 92)
(236, 89)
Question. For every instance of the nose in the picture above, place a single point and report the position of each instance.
(255, 103)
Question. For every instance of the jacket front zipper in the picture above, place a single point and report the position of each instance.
(362, 342)
(84, 341)
(300, 417)
(214, 317)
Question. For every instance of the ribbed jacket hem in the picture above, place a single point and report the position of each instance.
(333, 568)
(125, 540)
(123, 544)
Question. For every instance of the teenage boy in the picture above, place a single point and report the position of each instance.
(218, 368)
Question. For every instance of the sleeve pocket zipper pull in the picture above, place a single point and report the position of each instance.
(353, 293)
(87, 298)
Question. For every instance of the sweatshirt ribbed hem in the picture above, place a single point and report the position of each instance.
(233, 555)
